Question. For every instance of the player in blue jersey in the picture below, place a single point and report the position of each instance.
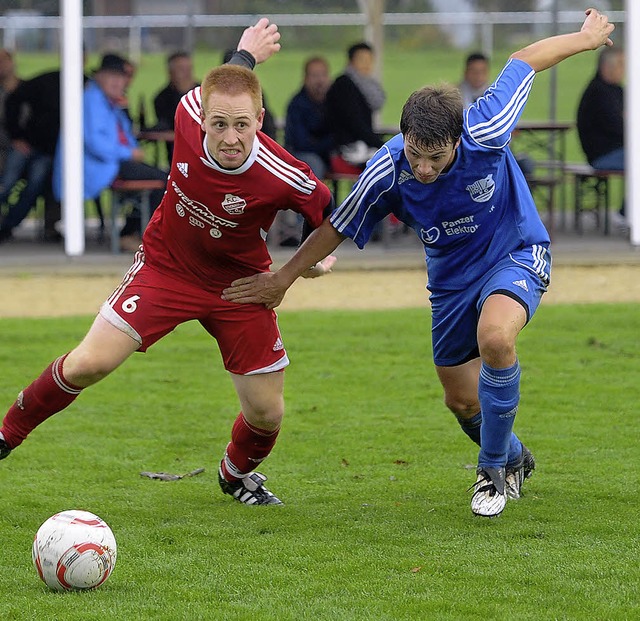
(451, 177)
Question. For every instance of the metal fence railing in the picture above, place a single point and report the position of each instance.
(132, 28)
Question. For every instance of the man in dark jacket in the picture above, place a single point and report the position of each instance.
(9, 81)
(181, 81)
(352, 100)
(32, 116)
(600, 116)
(305, 134)
(33, 124)
(600, 113)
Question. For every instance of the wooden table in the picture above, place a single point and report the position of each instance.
(548, 136)
(546, 143)
(156, 137)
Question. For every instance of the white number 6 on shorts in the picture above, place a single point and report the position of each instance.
(129, 305)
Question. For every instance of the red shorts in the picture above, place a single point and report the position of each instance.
(148, 305)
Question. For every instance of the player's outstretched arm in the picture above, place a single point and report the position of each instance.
(269, 288)
(549, 52)
(261, 40)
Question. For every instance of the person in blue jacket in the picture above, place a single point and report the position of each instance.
(451, 177)
(110, 147)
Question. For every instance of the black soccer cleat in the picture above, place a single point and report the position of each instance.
(4, 449)
(249, 490)
(517, 474)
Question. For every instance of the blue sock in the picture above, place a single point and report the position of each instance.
(499, 394)
(471, 426)
(515, 450)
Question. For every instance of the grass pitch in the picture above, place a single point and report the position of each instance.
(372, 468)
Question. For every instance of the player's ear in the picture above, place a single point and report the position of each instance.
(457, 144)
(202, 119)
(260, 118)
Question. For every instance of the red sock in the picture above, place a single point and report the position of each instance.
(248, 447)
(49, 394)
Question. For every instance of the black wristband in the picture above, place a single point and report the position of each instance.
(243, 58)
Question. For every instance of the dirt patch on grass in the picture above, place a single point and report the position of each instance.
(68, 295)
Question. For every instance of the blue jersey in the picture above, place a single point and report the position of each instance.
(475, 214)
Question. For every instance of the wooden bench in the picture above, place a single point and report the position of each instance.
(546, 183)
(588, 179)
(333, 179)
(126, 188)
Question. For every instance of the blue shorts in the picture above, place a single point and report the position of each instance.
(524, 276)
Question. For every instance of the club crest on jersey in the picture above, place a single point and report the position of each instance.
(233, 204)
(482, 189)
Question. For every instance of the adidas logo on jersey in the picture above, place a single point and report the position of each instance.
(278, 345)
(522, 284)
(405, 175)
(183, 167)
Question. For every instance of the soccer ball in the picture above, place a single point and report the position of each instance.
(74, 550)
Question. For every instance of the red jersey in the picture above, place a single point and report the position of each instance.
(212, 223)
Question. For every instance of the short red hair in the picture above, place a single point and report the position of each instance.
(232, 80)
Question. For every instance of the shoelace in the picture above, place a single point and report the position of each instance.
(487, 487)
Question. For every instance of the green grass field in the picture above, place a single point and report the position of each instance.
(372, 468)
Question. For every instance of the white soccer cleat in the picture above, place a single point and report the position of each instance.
(489, 495)
(517, 474)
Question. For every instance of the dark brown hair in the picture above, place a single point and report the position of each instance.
(432, 116)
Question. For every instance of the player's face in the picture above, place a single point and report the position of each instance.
(428, 164)
(230, 123)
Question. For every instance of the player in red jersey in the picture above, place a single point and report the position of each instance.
(226, 184)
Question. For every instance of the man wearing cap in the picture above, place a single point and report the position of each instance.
(110, 148)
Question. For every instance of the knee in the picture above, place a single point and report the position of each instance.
(265, 415)
(497, 347)
(84, 369)
(461, 407)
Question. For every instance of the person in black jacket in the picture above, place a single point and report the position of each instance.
(601, 114)
(9, 81)
(33, 124)
(32, 117)
(181, 81)
(305, 134)
(351, 102)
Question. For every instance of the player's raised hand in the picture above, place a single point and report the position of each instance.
(261, 40)
(261, 288)
(598, 26)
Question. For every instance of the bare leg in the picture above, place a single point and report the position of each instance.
(101, 351)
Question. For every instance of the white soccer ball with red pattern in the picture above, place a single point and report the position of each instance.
(74, 550)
